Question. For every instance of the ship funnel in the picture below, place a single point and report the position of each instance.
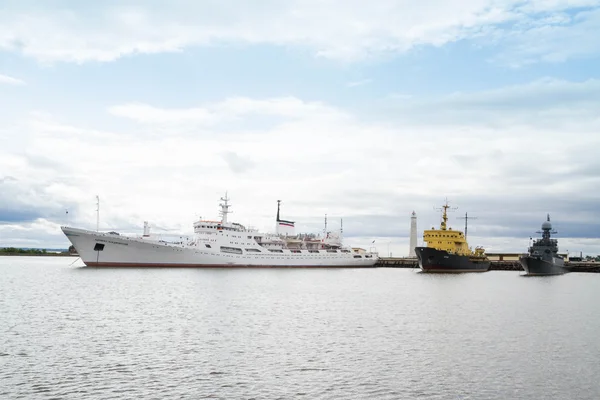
(146, 229)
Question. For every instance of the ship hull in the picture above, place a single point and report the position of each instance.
(432, 260)
(538, 266)
(107, 250)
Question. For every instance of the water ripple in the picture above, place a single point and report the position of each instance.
(71, 333)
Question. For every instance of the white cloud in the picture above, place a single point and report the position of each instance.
(9, 80)
(322, 159)
(344, 30)
(556, 39)
(148, 114)
(39, 233)
(546, 102)
(359, 83)
(227, 110)
(236, 163)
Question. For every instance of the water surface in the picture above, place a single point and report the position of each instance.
(70, 333)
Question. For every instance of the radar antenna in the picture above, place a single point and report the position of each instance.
(466, 218)
(547, 229)
(444, 209)
(224, 208)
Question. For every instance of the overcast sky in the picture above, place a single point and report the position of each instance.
(361, 110)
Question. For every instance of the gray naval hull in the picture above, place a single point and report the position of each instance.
(538, 266)
(433, 260)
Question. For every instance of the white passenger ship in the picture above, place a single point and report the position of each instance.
(219, 244)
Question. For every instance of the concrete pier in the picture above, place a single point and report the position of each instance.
(582, 266)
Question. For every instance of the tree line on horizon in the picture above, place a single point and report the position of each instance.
(18, 250)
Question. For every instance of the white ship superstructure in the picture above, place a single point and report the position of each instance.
(218, 244)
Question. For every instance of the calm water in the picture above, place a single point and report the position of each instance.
(72, 333)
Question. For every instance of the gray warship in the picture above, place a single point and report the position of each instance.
(543, 258)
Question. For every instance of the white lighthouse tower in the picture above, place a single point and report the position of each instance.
(413, 235)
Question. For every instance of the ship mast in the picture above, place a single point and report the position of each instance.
(445, 208)
(444, 216)
(224, 209)
(547, 230)
(277, 219)
(97, 213)
(466, 218)
(278, 205)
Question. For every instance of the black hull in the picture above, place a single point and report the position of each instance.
(432, 260)
(537, 266)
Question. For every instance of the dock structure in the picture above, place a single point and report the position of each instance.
(496, 265)
(583, 266)
(397, 262)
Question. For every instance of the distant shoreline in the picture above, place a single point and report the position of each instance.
(38, 255)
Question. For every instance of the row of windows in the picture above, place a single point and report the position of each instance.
(288, 257)
(236, 250)
(271, 257)
(438, 235)
(220, 228)
(212, 227)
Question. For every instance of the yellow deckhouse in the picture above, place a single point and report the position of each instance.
(445, 239)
